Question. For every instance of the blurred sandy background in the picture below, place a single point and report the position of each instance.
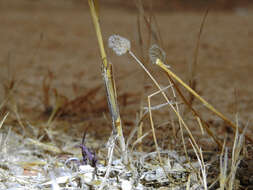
(55, 41)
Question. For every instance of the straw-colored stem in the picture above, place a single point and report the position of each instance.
(153, 129)
(109, 83)
(95, 19)
(209, 106)
(195, 113)
(2, 122)
(165, 96)
(140, 130)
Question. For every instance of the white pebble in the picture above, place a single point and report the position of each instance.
(126, 185)
(88, 177)
(86, 169)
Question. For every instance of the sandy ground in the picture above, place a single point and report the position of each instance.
(40, 41)
(58, 43)
(62, 41)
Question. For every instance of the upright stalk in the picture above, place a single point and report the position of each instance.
(109, 83)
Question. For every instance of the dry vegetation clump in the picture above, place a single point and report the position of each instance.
(161, 149)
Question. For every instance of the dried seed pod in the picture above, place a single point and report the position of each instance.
(156, 52)
(120, 45)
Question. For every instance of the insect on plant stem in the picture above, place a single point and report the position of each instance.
(109, 82)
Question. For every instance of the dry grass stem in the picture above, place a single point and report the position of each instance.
(2, 122)
(199, 154)
(193, 66)
(109, 82)
(205, 103)
(155, 53)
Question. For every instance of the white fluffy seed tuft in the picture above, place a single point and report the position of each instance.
(155, 52)
(120, 45)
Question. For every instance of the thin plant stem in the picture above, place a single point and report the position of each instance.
(195, 113)
(165, 97)
(153, 129)
(206, 104)
(109, 83)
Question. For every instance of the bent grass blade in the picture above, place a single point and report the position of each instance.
(206, 104)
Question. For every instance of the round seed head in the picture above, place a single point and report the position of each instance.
(155, 52)
(119, 44)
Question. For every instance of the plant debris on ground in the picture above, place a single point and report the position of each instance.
(57, 132)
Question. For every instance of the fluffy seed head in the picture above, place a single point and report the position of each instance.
(156, 52)
(119, 44)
